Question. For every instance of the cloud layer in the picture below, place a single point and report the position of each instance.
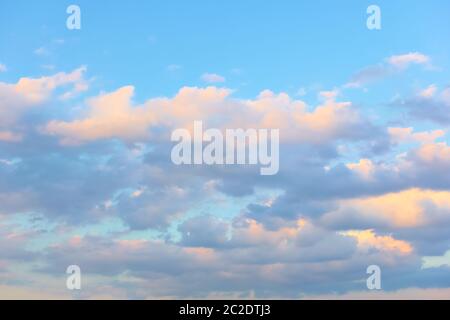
(86, 179)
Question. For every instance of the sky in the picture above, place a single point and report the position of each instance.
(86, 176)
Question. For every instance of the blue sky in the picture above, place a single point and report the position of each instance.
(281, 47)
(86, 176)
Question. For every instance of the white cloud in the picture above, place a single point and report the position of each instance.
(212, 78)
(404, 60)
(3, 68)
(329, 95)
(41, 51)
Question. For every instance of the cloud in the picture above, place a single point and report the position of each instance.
(212, 78)
(407, 135)
(32, 91)
(11, 292)
(336, 207)
(301, 92)
(113, 115)
(405, 209)
(49, 67)
(205, 231)
(402, 294)
(41, 51)
(405, 60)
(367, 239)
(291, 262)
(239, 266)
(428, 92)
(429, 104)
(367, 75)
(9, 136)
(389, 66)
(3, 68)
(364, 167)
(437, 154)
(156, 209)
(173, 67)
(329, 95)
(19, 98)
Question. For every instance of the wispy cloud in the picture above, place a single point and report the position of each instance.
(173, 67)
(386, 68)
(212, 78)
(405, 60)
(42, 51)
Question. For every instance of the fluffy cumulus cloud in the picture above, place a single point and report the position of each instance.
(114, 115)
(16, 99)
(111, 116)
(86, 178)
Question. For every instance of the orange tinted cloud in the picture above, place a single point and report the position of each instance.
(368, 238)
(404, 209)
(113, 115)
